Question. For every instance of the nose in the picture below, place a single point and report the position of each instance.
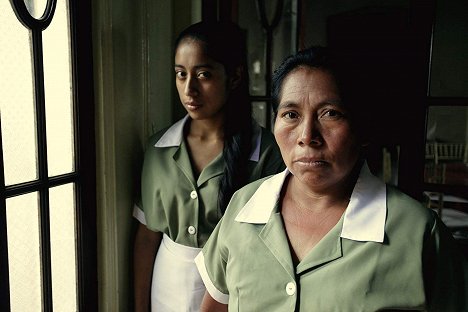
(191, 86)
(309, 134)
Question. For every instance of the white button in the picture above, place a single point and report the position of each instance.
(192, 230)
(193, 194)
(291, 288)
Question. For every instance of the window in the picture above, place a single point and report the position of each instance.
(47, 206)
(273, 31)
(446, 137)
(446, 161)
(272, 34)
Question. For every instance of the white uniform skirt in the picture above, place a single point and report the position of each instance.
(176, 284)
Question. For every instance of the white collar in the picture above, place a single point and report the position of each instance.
(364, 218)
(174, 135)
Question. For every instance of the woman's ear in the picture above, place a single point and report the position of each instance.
(236, 77)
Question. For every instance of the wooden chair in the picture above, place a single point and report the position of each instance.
(449, 152)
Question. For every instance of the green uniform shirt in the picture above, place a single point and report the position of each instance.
(387, 252)
(173, 202)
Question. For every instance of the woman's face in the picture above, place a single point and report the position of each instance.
(201, 82)
(313, 130)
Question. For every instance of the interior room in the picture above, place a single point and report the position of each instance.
(85, 83)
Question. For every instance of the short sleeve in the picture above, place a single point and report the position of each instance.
(444, 271)
(151, 206)
(148, 193)
(138, 213)
(211, 264)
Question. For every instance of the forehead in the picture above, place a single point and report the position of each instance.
(307, 81)
(191, 51)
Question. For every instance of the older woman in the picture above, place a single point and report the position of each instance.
(326, 235)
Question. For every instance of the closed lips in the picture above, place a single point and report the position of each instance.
(310, 161)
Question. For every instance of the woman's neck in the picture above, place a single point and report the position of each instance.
(337, 196)
(206, 129)
(205, 140)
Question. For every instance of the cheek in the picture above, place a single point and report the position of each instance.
(180, 89)
(285, 139)
(217, 93)
(278, 132)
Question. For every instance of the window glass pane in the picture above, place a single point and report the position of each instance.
(284, 42)
(63, 248)
(259, 112)
(255, 45)
(17, 99)
(449, 65)
(447, 145)
(58, 93)
(284, 39)
(36, 7)
(23, 253)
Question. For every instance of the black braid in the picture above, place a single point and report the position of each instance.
(237, 150)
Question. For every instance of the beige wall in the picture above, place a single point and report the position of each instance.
(134, 97)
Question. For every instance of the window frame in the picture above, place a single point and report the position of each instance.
(83, 176)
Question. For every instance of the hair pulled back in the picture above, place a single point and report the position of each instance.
(350, 84)
(224, 42)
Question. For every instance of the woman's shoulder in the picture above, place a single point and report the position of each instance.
(249, 189)
(403, 206)
(265, 134)
(168, 136)
(266, 139)
(155, 137)
(245, 193)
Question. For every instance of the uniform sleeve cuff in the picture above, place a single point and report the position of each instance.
(210, 287)
(139, 214)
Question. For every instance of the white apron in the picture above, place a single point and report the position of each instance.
(176, 284)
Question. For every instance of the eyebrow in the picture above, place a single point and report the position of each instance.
(196, 66)
(290, 104)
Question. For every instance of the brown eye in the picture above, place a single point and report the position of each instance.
(332, 114)
(180, 74)
(204, 74)
(290, 115)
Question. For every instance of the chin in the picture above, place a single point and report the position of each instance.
(310, 178)
(196, 115)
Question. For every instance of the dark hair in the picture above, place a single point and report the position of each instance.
(315, 57)
(352, 91)
(225, 43)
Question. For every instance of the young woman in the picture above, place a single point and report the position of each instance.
(192, 168)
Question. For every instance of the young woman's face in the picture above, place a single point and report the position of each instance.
(202, 83)
(313, 130)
